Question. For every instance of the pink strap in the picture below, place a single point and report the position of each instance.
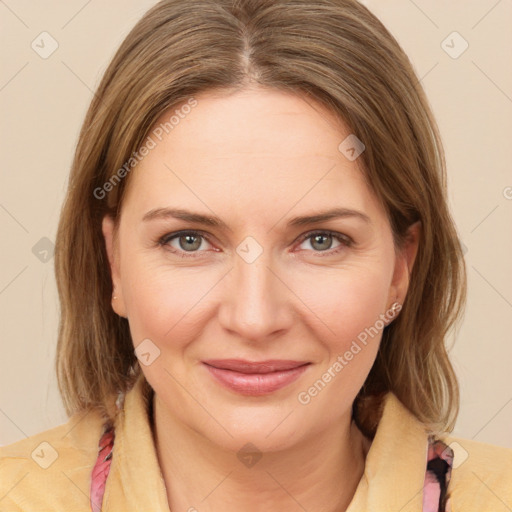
(437, 476)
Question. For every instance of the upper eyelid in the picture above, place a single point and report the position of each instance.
(335, 234)
(183, 232)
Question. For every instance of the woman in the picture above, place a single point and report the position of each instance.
(257, 271)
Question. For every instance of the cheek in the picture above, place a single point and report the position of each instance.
(363, 300)
(345, 303)
(164, 303)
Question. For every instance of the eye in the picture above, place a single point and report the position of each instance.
(321, 241)
(185, 242)
(191, 242)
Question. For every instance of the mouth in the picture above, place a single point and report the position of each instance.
(255, 378)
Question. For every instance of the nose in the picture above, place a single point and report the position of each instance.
(256, 302)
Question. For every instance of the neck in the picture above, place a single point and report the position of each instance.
(321, 474)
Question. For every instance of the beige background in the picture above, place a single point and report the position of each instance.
(43, 103)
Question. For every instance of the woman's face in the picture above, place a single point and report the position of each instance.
(254, 282)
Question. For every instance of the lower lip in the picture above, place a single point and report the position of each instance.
(254, 384)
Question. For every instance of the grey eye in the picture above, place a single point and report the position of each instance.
(189, 242)
(321, 241)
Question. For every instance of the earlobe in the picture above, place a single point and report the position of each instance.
(108, 229)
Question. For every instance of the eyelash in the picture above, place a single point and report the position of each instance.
(345, 241)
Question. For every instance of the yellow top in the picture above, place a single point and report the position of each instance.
(51, 470)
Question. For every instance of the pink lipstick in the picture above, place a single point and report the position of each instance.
(255, 378)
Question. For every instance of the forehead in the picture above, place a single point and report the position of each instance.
(257, 123)
(252, 147)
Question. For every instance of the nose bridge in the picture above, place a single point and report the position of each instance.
(256, 306)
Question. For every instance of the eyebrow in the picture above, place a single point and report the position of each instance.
(212, 221)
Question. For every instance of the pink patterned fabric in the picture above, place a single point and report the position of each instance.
(102, 468)
(437, 476)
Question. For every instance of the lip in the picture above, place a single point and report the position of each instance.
(255, 378)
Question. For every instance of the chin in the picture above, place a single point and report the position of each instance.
(270, 427)
(256, 439)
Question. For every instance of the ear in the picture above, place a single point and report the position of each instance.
(108, 228)
(404, 263)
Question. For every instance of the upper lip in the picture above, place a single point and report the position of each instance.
(243, 366)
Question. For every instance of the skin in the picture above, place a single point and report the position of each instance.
(255, 158)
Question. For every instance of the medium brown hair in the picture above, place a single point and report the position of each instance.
(334, 52)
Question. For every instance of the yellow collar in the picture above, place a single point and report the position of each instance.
(395, 464)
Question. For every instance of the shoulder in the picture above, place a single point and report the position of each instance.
(481, 477)
(51, 470)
